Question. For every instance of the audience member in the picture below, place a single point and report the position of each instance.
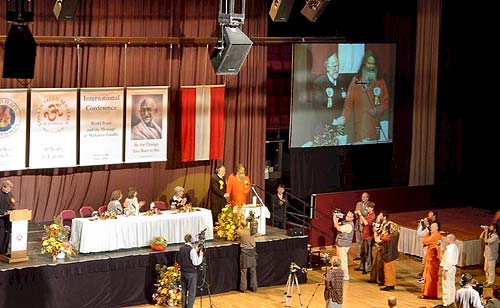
(377, 273)
(358, 228)
(114, 204)
(467, 297)
(343, 241)
(449, 261)
(392, 302)
(490, 238)
(390, 238)
(432, 240)
(367, 236)
(334, 284)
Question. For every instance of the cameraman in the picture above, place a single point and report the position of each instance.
(490, 238)
(467, 296)
(365, 266)
(189, 259)
(344, 240)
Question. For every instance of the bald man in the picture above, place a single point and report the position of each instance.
(147, 128)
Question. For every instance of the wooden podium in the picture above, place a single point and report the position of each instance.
(18, 237)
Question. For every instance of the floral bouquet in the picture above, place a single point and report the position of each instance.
(167, 287)
(186, 208)
(56, 240)
(158, 243)
(227, 223)
(153, 211)
(107, 215)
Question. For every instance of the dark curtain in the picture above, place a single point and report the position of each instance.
(48, 191)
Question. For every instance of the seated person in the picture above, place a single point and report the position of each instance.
(178, 200)
(131, 203)
(114, 204)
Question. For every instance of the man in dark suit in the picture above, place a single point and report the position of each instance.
(7, 204)
(279, 202)
(218, 193)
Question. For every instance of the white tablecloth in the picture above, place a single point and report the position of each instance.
(260, 212)
(469, 252)
(136, 231)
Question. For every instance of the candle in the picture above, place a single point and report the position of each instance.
(254, 201)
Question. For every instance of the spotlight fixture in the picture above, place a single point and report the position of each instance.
(280, 10)
(313, 9)
(233, 45)
(65, 9)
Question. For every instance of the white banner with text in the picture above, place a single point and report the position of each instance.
(13, 129)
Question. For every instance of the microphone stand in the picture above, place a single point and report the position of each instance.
(366, 87)
(257, 195)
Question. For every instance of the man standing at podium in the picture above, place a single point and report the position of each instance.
(7, 203)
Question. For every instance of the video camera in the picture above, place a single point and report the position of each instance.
(201, 238)
(338, 213)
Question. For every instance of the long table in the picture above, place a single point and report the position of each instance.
(136, 231)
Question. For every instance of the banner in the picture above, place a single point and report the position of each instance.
(101, 126)
(146, 130)
(202, 119)
(53, 128)
(13, 129)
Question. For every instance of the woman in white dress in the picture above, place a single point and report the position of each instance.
(131, 202)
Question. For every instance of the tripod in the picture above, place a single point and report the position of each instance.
(204, 283)
(292, 279)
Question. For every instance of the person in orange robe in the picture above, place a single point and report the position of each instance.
(238, 186)
(432, 240)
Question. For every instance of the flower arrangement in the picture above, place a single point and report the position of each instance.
(158, 243)
(227, 223)
(56, 240)
(168, 289)
(107, 215)
(153, 211)
(186, 208)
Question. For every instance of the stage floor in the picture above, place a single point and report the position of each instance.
(464, 222)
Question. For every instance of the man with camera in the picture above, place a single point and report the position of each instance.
(358, 228)
(189, 259)
(377, 273)
(344, 239)
(431, 239)
(390, 239)
(367, 238)
(490, 238)
(468, 296)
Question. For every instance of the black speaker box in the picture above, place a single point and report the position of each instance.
(313, 9)
(295, 232)
(20, 53)
(237, 45)
(280, 10)
(65, 9)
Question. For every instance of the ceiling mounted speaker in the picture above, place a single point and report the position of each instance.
(280, 10)
(313, 9)
(228, 59)
(65, 9)
(20, 53)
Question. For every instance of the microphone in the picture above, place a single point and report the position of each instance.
(361, 82)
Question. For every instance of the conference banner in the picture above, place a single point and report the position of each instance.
(146, 124)
(202, 131)
(13, 129)
(101, 126)
(53, 128)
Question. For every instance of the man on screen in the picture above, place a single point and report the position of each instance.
(367, 100)
(329, 93)
(147, 128)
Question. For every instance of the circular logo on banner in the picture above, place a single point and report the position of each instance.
(53, 114)
(10, 117)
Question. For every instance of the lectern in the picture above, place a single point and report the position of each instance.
(18, 237)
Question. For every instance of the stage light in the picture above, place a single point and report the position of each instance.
(65, 9)
(280, 10)
(313, 9)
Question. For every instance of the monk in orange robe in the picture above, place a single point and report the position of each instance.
(238, 186)
(432, 240)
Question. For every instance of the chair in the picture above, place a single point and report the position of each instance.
(102, 209)
(66, 216)
(86, 211)
(160, 205)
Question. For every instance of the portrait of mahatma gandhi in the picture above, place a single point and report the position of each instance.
(146, 117)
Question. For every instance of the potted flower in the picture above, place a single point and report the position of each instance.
(227, 223)
(158, 243)
(167, 287)
(55, 241)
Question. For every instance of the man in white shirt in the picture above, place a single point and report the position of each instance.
(449, 261)
(467, 297)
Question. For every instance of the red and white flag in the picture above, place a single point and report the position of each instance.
(202, 128)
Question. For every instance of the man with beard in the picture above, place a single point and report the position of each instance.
(147, 128)
(367, 99)
(238, 186)
(329, 93)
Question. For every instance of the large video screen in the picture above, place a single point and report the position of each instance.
(342, 94)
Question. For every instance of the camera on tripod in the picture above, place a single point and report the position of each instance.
(201, 239)
(294, 268)
(339, 214)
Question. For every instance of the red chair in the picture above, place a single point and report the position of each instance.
(67, 216)
(102, 209)
(160, 205)
(86, 211)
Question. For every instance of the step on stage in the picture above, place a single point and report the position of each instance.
(464, 222)
(127, 277)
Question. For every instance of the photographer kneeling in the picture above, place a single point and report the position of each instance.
(248, 257)
(468, 296)
(344, 240)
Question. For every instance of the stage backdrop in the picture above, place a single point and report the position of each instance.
(147, 109)
(52, 128)
(13, 129)
(101, 126)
